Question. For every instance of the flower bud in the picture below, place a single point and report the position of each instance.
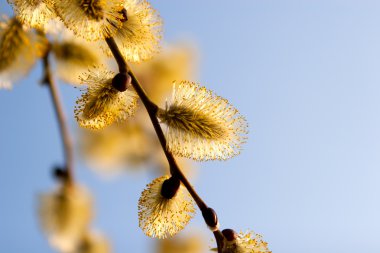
(170, 187)
(121, 81)
(211, 218)
(160, 216)
(229, 234)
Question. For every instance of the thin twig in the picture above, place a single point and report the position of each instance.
(152, 110)
(48, 80)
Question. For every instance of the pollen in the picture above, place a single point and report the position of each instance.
(161, 217)
(101, 104)
(202, 125)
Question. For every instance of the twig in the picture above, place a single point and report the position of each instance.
(62, 122)
(209, 214)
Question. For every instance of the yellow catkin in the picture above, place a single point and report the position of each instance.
(90, 19)
(202, 125)
(160, 217)
(117, 148)
(93, 242)
(141, 31)
(64, 216)
(19, 50)
(101, 104)
(34, 13)
(193, 243)
(174, 62)
(74, 53)
(13, 40)
(248, 242)
(73, 57)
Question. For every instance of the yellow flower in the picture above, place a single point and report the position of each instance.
(201, 125)
(73, 57)
(102, 104)
(93, 242)
(64, 216)
(161, 216)
(140, 34)
(90, 19)
(248, 242)
(19, 50)
(33, 13)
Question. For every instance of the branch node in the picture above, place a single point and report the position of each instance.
(60, 174)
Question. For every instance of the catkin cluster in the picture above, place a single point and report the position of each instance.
(197, 124)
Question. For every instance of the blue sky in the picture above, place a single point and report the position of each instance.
(304, 73)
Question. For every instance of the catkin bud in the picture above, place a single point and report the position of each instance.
(102, 104)
(170, 187)
(230, 234)
(161, 216)
(121, 82)
(211, 219)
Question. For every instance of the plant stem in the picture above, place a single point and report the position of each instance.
(61, 118)
(152, 110)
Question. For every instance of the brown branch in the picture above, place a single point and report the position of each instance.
(209, 214)
(61, 118)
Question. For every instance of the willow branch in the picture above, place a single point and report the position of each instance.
(61, 118)
(152, 110)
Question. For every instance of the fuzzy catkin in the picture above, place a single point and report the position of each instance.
(202, 125)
